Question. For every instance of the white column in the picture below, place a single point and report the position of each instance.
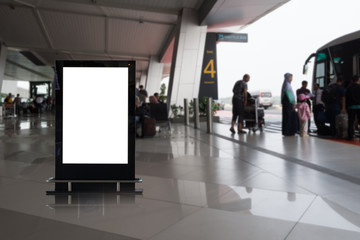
(187, 58)
(154, 75)
(3, 52)
(142, 79)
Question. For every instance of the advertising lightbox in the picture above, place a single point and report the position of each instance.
(95, 120)
(95, 92)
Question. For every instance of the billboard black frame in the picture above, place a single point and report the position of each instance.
(95, 171)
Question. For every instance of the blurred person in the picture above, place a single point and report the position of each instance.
(17, 102)
(155, 98)
(39, 103)
(8, 99)
(289, 118)
(304, 90)
(49, 103)
(304, 114)
(239, 102)
(336, 107)
(142, 94)
(353, 104)
(318, 105)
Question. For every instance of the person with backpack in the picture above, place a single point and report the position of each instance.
(353, 104)
(333, 97)
(289, 117)
(318, 107)
(239, 102)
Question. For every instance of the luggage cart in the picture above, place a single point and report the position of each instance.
(254, 117)
(9, 110)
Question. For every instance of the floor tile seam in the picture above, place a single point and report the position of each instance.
(282, 178)
(186, 179)
(306, 191)
(190, 172)
(301, 217)
(321, 169)
(211, 145)
(65, 222)
(327, 197)
(262, 169)
(26, 180)
(173, 202)
(252, 164)
(313, 166)
(160, 200)
(173, 224)
(218, 184)
(209, 165)
(29, 162)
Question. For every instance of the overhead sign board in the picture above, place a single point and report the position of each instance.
(232, 37)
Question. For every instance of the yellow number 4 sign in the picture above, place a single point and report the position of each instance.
(209, 69)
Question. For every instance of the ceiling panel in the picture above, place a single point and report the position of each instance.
(75, 32)
(51, 57)
(140, 15)
(90, 57)
(19, 26)
(138, 39)
(228, 13)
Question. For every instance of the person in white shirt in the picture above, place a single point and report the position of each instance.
(318, 105)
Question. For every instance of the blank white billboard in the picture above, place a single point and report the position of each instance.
(95, 115)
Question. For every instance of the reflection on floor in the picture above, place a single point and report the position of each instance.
(196, 186)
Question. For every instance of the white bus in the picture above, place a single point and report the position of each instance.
(340, 57)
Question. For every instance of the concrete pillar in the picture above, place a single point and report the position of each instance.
(154, 75)
(142, 79)
(187, 58)
(3, 52)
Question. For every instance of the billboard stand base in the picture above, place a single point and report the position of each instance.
(82, 186)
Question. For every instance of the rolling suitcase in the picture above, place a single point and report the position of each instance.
(148, 127)
(342, 126)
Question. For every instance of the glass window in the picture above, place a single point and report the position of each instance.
(320, 73)
(320, 69)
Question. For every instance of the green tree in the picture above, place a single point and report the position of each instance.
(162, 95)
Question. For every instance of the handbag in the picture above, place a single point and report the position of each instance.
(321, 117)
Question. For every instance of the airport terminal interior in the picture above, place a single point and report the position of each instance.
(196, 184)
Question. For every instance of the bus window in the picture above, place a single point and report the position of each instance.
(321, 56)
(320, 74)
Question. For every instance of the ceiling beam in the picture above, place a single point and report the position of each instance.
(118, 4)
(94, 15)
(205, 9)
(75, 52)
(43, 28)
(167, 42)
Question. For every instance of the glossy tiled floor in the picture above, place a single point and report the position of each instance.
(196, 186)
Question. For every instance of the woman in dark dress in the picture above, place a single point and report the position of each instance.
(289, 117)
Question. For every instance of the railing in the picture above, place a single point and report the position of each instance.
(209, 116)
